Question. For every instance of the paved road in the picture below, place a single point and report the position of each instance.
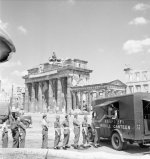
(34, 137)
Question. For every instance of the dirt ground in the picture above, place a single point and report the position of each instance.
(34, 138)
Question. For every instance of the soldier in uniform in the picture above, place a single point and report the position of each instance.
(5, 134)
(112, 112)
(15, 129)
(76, 125)
(57, 132)
(44, 132)
(65, 125)
(22, 128)
(96, 129)
(95, 132)
(85, 130)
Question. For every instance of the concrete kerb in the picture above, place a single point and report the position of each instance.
(23, 153)
(26, 153)
(91, 155)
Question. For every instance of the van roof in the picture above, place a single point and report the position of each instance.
(131, 94)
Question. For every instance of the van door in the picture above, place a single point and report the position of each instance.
(146, 116)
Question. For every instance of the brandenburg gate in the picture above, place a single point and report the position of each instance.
(62, 86)
(48, 87)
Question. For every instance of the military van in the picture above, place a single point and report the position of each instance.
(123, 119)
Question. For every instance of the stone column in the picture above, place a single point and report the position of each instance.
(40, 107)
(87, 98)
(89, 101)
(74, 100)
(69, 98)
(44, 96)
(77, 100)
(106, 93)
(32, 98)
(91, 97)
(51, 104)
(26, 106)
(36, 97)
(81, 100)
(59, 96)
(97, 94)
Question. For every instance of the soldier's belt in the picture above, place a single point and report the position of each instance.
(66, 128)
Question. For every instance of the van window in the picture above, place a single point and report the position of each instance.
(146, 116)
(113, 110)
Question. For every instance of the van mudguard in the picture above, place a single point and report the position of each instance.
(120, 133)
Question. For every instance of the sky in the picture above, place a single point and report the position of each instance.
(109, 34)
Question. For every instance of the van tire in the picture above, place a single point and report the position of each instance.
(116, 142)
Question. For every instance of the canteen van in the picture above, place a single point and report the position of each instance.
(123, 119)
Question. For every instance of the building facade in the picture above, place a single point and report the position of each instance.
(137, 80)
(85, 94)
(63, 85)
(4, 97)
(48, 86)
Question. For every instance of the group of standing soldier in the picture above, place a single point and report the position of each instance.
(65, 125)
(18, 130)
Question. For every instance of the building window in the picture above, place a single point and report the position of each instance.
(138, 88)
(145, 78)
(137, 76)
(77, 64)
(131, 89)
(130, 77)
(146, 87)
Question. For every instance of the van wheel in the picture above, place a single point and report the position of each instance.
(116, 142)
(27, 124)
(143, 146)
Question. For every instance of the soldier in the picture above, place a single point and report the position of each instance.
(44, 132)
(112, 112)
(57, 132)
(5, 134)
(84, 131)
(96, 129)
(76, 125)
(22, 128)
(15, 129)
(96, 138)
(65, 125)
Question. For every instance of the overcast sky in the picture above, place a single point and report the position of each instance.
(109, 34)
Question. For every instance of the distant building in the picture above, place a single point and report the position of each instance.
(4, 96)
(18, 97)
(137, 80)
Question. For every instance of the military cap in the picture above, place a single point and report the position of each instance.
(66, 116)
(44, 115)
